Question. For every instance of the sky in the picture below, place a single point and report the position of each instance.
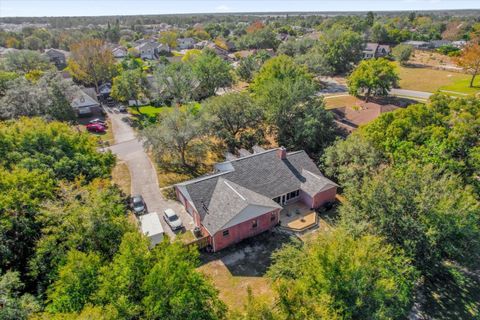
(29, 8)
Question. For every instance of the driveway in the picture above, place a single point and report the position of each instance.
(143, 175)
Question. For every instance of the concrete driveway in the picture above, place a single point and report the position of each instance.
(143, 175)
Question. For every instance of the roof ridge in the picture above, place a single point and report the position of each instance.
(250, 156)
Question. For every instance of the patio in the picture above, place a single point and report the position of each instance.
(298, 217)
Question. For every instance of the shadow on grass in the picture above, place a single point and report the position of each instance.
(454, 294)
(251, 257)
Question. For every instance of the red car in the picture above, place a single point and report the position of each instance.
(96, 127)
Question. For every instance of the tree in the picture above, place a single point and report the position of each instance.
(373, 76)
(263, 38)
(470, 60)
(175, 290)
(176, 138)
(49, 96)
(308, 126)
(430, 215)
(169, 38)
(341, 277)
(175, 82)
(212, 72)
(130, 85)
(15, 305)
(90, 218)
(281, 84)
(33, 43)
(341, 48)
(25, 61)
(350, 161)
(91, 62)
(379, 33)
(120, 282)
(236, 119)
(77, 281)
(402, 53)
(248, 66)
(5, 78)
(293, 47)
(370, 18)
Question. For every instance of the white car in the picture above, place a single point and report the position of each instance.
(172, 219)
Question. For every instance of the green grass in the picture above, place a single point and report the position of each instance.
(149, 111)
(431, 80)
(337, 101)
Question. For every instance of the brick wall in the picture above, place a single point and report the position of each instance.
(245, 230)
(319, 199)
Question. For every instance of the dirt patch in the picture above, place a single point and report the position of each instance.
(121, 177)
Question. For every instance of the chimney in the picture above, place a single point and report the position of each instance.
(282, 153)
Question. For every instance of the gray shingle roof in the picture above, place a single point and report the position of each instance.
(229, 199)
(262, 173)
(315, 183)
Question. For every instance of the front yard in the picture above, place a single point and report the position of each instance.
(431, 80)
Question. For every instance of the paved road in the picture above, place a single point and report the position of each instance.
(411, 93)
(143, 175)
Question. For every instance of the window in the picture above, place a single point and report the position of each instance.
(273, 217)
(297, 193)
(226, 233)
(288, 196)
(277, 199)
(254, 224)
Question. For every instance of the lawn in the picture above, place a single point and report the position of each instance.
(336, 101)
(121, 177)
(149, 111)
(431, 80)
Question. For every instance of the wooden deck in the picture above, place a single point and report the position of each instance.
(298, 217)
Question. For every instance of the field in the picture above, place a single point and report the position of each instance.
(431, 80)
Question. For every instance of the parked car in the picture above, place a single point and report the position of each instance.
(172, 219)
(99, 121)
(96, 127)
(122, 109)
(138, 204)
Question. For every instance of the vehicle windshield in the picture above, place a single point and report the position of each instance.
(137, 202)
(173, 218)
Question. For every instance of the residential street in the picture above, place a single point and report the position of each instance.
(411, 93)
(143, 175)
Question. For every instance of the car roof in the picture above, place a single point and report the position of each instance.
(169, 212)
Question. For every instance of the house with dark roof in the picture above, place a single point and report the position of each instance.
(375, 50)
(244, 196)
(57, 57)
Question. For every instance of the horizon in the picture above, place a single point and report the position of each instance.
(80, 8)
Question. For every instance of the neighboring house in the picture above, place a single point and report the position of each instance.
(104, 90)
(84, 105)
(375, 50)
(202, 44)
(58, 57)
(185, 43)
(351, 118)
(418, 44)
(222, 53)
(459, 44)
(119, 52)
(435, 44)
(151, 50)
(244, 196)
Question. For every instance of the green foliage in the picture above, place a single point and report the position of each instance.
(90, 218)
(337, 276)
(130, 85)
(430, 215)
(76, 282)
(248, 66)
(212, 72)
(236, 119)
(372, 77)
(449, 50)
(402, 53)
(54, 148)
(175, 139)
(175, 290)
(263, 38)
(25, 61)
(5, 78)
(294, 47)
(175, 83)
(15, 305)
(379, 33)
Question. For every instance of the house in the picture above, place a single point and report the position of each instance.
(185, 43)
(119, 52)
(435, 44)
(84, 105)
(152, 227)
(459, 44)
(418, 44)
(375, 50)
(245, 195)
(150, 50)
(202, 44)
(351, 118)
(58, 57)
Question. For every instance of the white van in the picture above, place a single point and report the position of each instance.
(152, 227)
